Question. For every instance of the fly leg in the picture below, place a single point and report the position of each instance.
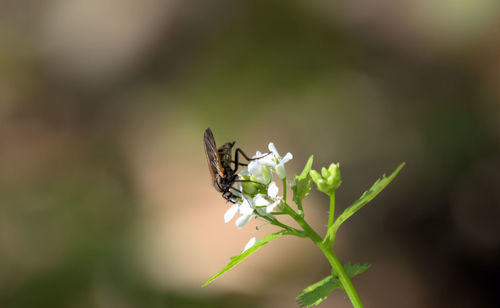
(230, 195)
(241, 181)
(236, 158)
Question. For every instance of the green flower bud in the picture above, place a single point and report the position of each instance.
(267, 175)
(335, 175)
(325, 172)
(323, 186)
(315, 176)
(333, 167)
(329, 179)
(250, 188)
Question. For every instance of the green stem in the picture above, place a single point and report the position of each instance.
(330, 256)
(343, 277)
(279, 213)
(300, 220)
(299, 207)
(284, 190)
(330, 234)
(331, 215)
(291, 230)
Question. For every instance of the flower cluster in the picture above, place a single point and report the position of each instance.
(329, 179)
(260, 194)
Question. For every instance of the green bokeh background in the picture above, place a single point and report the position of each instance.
(105, 195)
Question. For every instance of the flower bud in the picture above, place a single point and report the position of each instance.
(267, 175)
(325, 172)
(250, 188)
(315, 176)
(335, 175)
(329, 179)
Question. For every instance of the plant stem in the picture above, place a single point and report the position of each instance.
(300, 220)
(330, 256)
(284, 190)
(330, 235)
(291, 230)
(331, 214)
(343, 277)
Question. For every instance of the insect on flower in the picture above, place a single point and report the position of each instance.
(219, 164)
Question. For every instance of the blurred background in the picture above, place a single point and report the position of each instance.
(105, 197)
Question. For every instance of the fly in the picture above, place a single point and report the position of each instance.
(220, 162)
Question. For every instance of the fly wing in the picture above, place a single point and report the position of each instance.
(213, 160)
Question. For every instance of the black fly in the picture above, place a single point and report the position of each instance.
(220, 162)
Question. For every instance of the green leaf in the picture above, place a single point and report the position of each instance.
(307, 168)
(319, 291)
(366, 197)
(355, 269)
(302, 183)
(237, 259)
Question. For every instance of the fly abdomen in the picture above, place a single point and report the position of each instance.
(226, 158)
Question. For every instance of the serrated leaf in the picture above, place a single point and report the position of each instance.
(314, 294)
(356, 268)
(238, 258)
(318, 292)
(302, 183)
(307, 168)
(366, 197)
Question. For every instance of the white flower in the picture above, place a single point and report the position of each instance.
(259, 168)
(279, 162)
(251, 243)
(245, 209)
(270, 201)
(231, 212)
(260, 205)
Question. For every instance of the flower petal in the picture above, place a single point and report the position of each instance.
(268, 160)
(260, 201)
(242, 220)
(280, 170)
(270, 208)
(251, 243)
(272, 190)
(272, 148)
(255, 167)
(230, 213)
(245, 208)
(287, 157)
